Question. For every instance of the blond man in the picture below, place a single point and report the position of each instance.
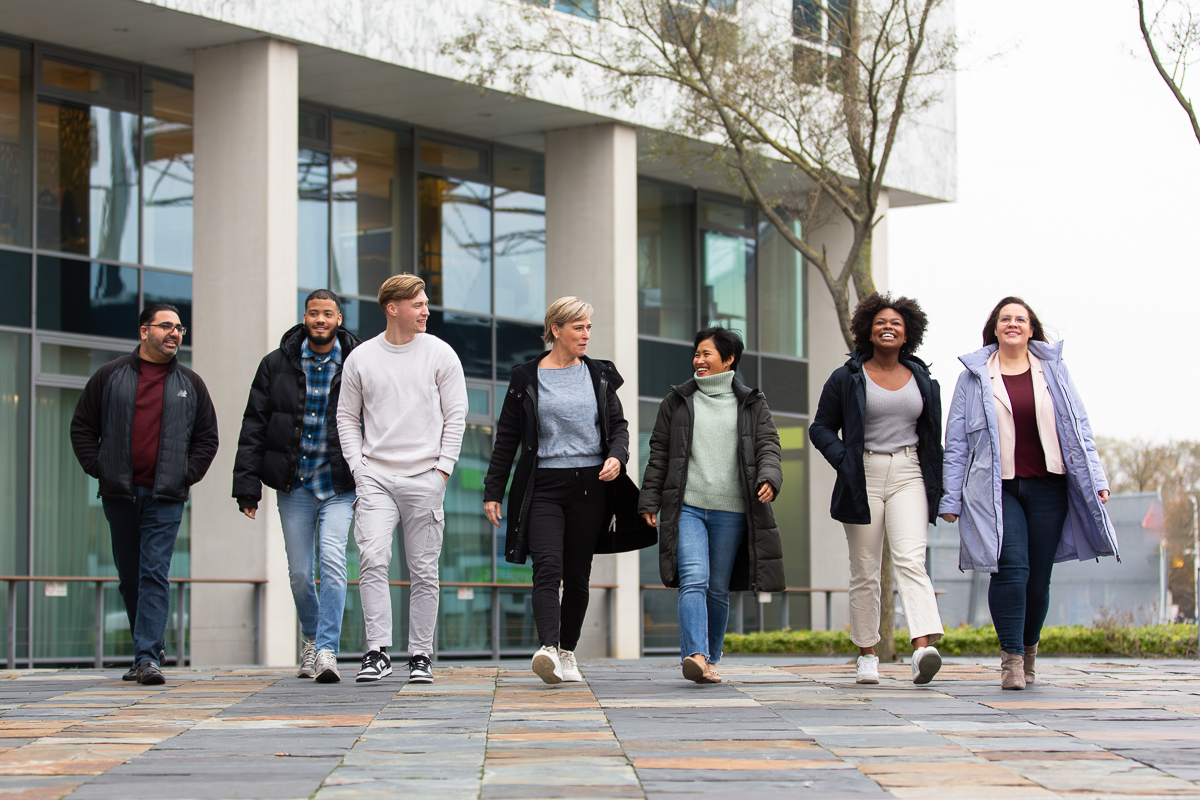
(408, 387)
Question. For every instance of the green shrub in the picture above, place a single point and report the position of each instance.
(1163, 641)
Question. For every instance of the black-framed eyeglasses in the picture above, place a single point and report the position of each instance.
(167, 327)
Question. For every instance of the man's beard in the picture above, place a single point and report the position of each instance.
(315, 338)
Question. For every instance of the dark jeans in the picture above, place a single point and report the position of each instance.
(1019, 595)
(566, 518)
(143, 540)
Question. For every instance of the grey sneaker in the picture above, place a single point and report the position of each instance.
(326, 667)
(570, 669)
(308, 658)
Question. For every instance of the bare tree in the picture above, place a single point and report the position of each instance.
(1177, 27)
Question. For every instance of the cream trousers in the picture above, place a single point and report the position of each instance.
(899, 508)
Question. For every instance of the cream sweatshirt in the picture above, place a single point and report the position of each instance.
(413, 402)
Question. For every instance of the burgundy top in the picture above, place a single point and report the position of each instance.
(147, 421)
(1028, 457)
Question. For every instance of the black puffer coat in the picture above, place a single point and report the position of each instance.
(269, 445)
(517, 435)
(843, 407)
(759, 564)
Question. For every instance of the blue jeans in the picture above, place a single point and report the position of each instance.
(307, 524)
(708, 545)
(143, 541)
(1019, 594)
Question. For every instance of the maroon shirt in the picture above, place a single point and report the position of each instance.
(147, 421)
(1029, 459)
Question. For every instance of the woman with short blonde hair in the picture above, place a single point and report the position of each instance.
(562, 311)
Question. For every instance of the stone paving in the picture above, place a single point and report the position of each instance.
(778, 728)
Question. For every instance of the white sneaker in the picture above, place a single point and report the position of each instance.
(308, 657)
(926, 662)
(867, 669)
(326, 667)
(570, 669)
(547, 666)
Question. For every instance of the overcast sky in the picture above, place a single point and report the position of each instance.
(1079, 190)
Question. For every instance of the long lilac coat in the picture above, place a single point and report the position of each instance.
(971, 473)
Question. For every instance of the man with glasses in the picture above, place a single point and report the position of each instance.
(289, 441)
(146, 429)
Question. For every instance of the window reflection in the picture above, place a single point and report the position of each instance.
(364, 185)
(14, 453)
(79, 297)
(666, 262)
(88, 181)
(168, 175)
(88, 79)
(662, 365)
(455, 237)
(166, 287)
(780, 293)
(516, 344)
(471, 338)
(16, 279)
(312, 220)
(15, 146)
(520, 235)
(728, 291)
(791, 509)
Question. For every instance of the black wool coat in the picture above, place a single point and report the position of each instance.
(269, 445)
(843, 408)
(517, 438)
(759, 564)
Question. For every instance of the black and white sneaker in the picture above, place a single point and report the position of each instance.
(420, 669)
(375, 665)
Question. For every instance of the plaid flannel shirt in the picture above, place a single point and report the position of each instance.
(314, 472)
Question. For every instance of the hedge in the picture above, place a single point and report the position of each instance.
(1162, 641)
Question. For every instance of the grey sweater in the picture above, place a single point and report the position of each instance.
(712, 477)
(568, 419)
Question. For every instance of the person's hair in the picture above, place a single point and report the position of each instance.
(869, 307)
(562, 311)
(147, 315)
(989, 328)
(322, 294)
(727, 342)
(404, 286)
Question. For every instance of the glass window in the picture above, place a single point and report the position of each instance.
(88, 181)
(79, 297)
(365, 183)
(61, 359)
(785, 383)
(477, 401)
(455, 238)
(17, 282)
(471, 338)
(728, 291)
(166, 287)
(520, 235)
(457, 157)
(780, 293)
(101, 82)
(747, 370)
(16, 146)
(806, 20)
(363, 317)
(14, 453)
(791, 509)
(666, 261)
(660, 609)
(662, 365)
(723, 216)
(312, 220)
(313, 125)
(168, 174)
(516, 344)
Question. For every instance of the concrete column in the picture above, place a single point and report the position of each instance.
(591, 252)
(829, 553)
(244, 288)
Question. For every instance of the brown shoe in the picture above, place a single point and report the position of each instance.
(1012, 671)
(710, 674)
(1030, 657)
(694, 667)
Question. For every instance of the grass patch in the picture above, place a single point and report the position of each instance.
(1160, 641)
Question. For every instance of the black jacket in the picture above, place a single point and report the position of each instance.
(843, 407)
(517, 432)
(102, 429)
(269, 445)
(759, 563)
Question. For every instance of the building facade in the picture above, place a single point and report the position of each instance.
(230, 158)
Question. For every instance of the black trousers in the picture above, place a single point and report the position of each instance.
(566, 518)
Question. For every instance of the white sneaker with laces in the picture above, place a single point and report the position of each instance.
(547, 666)
(308, 657)
(570, 669)
(326, 667)
(867, 669)
(926, 662)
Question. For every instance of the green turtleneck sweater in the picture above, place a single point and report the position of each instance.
(712, 479)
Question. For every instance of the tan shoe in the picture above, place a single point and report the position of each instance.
(1030, 657)
(1012, 671)
(694, 667)
(710, 674)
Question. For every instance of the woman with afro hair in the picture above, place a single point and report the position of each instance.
(878, 424)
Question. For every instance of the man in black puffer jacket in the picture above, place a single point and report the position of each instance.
(146, 429)
(289, 441)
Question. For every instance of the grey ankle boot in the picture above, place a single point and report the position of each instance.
(1012, 671)
(1030, 657)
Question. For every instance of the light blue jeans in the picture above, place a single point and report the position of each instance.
(307, 524)
(708, 545)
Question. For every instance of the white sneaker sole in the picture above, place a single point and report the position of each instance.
(370, 678)
(867, 680)
(420, 678)
(543, 667)
(927, 668)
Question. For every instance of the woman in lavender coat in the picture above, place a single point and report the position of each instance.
(1022, 478)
